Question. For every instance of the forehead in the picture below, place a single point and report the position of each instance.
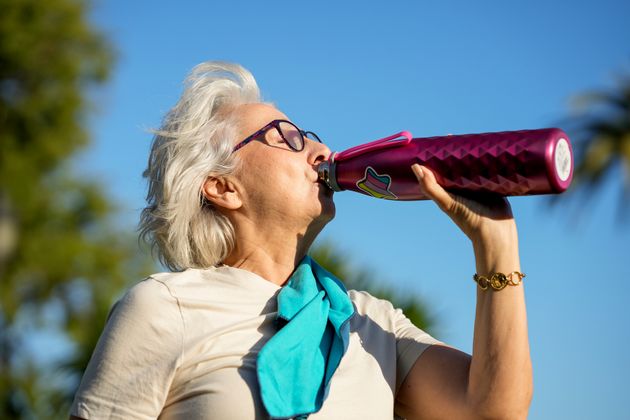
(251, 117)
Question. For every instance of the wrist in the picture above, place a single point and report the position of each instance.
(497, 253)
(495, 232)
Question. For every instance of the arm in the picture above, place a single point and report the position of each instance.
(496, 382)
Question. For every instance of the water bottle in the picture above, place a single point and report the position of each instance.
(508, 163)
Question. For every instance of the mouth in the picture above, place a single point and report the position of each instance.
(322, 184)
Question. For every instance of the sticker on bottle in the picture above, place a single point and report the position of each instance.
(377, 185)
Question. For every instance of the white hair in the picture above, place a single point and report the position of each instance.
(195, 141)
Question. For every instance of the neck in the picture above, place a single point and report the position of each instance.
(269, 251)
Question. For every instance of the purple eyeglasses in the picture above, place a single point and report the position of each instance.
(289, 133)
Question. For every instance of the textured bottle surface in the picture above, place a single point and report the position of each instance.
(507, 163)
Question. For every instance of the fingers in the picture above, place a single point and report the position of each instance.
(431, 188)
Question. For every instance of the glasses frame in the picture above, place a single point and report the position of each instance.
(276, 124)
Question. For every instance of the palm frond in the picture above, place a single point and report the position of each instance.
(600, 134)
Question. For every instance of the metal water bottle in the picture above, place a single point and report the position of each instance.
(507, 163)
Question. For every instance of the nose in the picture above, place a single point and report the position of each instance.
(317, 152)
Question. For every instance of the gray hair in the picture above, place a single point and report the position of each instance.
(195, 141)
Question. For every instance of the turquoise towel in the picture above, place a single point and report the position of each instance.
(295, 366)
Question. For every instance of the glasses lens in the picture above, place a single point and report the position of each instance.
(292, 135)
(312, 136)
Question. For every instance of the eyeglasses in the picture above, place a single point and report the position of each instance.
(285, 133)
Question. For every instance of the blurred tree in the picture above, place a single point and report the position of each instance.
(600, 131)
(335, 261)
(61, 263)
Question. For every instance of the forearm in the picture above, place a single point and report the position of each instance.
(497, 381)
(500, 380)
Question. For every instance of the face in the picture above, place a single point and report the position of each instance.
(279, 185)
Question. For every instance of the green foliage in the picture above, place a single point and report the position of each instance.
(600, 131)
(339, 264)
(61, 263)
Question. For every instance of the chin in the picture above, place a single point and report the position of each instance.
(328, 208)
(326, 214)
(319, 223)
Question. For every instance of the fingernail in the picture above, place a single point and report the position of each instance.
(417, 169)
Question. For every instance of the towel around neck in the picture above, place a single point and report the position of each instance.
(295, 366)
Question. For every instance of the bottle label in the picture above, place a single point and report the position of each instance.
(377, 185)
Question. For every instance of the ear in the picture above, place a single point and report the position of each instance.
(222, 192)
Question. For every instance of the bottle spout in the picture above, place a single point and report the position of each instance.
(326, 174)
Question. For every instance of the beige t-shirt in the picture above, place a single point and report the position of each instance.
(184, 346)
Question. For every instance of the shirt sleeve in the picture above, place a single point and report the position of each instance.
(411, 342)
(134, 362)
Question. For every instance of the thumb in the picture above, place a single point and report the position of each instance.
(430, 186)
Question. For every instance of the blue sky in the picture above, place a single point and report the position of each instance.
(357, 71)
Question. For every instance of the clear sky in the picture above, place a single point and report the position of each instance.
(356, 71)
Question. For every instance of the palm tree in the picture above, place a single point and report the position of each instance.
(338, 263)
(601, 136)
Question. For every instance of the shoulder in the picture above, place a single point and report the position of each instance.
(217, 279)
(147, 293)
(150, 299)
(372, 310)
(169, 287)
(170, 281)
(383, 313)
(366, 304)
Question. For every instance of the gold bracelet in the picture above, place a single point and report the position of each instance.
(498, 281)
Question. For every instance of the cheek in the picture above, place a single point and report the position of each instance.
(276, 176)
(279, 174)
(268, 185)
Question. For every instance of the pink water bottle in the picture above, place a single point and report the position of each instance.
(508, 163)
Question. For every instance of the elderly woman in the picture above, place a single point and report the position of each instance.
(247, 326)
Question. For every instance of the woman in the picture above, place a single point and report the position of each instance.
(246, 326)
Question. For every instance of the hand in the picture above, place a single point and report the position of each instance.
(482, 219)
